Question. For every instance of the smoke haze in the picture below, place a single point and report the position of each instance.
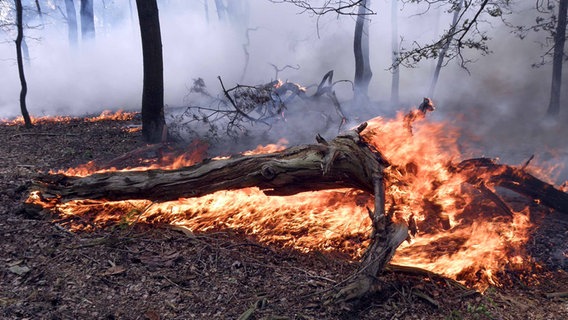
(502, 102)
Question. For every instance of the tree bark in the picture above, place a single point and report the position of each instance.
(87, 20)
(153, 121)
(71, 22)
(19, 58)
(346, 161)
(363, 71)
(557, 60)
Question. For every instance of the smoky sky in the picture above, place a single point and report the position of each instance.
(501, 99)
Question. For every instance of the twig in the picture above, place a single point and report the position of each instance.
(526, 164)
(232, 101)
(562, 294)
(495, 198)
(426, 297)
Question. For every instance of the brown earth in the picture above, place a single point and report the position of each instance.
(157, 272)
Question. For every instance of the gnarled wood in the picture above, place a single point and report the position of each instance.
(346, 161)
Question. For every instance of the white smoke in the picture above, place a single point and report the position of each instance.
(504, 99)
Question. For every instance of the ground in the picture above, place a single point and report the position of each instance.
(159, 272)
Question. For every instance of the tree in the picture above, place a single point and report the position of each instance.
(71, 17)
(463, 33)
(553, 22)
(395, 54)
(153, 121)
(445, 47)
(87, 20)
(363, 71)
(558, 56)
(360, 9)
(19, 58)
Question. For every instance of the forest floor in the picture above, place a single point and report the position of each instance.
(157, 272)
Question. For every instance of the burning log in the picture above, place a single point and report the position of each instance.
(346, 161)
(483, 171)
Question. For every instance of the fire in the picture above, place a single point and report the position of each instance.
(104, 116)
(454, 232)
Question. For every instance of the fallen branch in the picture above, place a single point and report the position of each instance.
(484, 170)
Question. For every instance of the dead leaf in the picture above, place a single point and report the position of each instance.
(113, 270)
(152, 315)
(163, 260)
(19, 270)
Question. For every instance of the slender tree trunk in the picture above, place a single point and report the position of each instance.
(363, 72)
(19, 38)
(559, 40)
(442, 53)
(221, 10)
(87, 20)
(131, 15)
(26, 52)
(71, 22)
(206, 8)
(395, 54)
(153, 121)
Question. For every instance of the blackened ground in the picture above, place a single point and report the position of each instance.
(157, 272)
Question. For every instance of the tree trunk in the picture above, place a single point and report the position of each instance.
(345, 162)
(363, 71)
(221, 10)
(444, 50)
(87, 20)
(19, 58)
(559, 40)
(71, 22)
(395, 55)
(153, 121)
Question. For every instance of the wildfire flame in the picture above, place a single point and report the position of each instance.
(104, 116)
(455, 233)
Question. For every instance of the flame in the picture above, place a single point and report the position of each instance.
(269, 148)
(455, 232)
(106, 115)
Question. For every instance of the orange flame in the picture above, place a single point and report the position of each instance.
(455, 233)
(104, 116)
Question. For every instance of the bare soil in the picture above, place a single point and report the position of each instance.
(158, 272)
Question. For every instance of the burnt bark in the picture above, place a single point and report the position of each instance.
(557, 60)
(153, 121)
(19, 58)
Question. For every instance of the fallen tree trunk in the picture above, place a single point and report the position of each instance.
(345, 162)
